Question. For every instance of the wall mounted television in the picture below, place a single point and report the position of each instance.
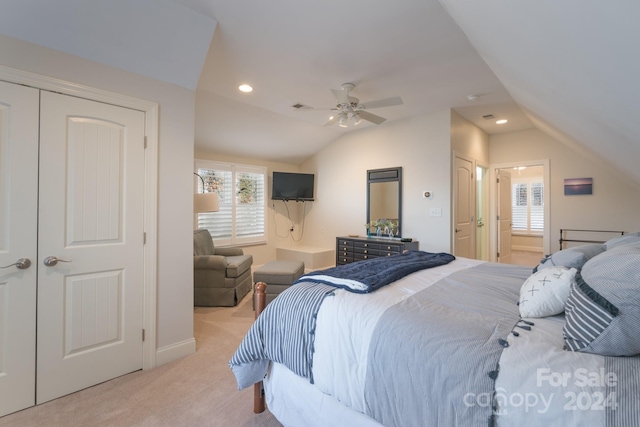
(292, 186)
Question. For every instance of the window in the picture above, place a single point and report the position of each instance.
(528, 207)
(242, 201)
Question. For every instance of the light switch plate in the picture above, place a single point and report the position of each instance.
(435, 212)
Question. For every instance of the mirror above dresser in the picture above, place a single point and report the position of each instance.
(384, 201)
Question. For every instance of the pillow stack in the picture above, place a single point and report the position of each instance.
(598, 288)
(603, 309)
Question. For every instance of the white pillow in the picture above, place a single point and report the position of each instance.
(545, 292)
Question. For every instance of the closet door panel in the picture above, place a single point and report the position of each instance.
(90, 301)
(18, 240)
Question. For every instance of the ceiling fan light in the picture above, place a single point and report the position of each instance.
(343, 120)
(356, 119)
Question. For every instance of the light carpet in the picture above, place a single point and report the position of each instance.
(197, 390)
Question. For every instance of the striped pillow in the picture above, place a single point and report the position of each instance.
(603, 309)
(587, 315)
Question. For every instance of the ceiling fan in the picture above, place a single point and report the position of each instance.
(350, 110)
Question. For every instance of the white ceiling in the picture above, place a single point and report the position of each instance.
(295, 52)
(567, 67)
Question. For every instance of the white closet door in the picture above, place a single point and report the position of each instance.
(18, 234)
(91, 215)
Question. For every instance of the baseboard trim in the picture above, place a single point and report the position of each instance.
(175, 351)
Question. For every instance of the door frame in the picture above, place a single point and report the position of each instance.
(151, 110)
(483, 197)
(493, 204)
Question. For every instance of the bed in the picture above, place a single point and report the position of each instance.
(448, 344)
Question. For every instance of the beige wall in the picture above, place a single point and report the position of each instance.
(175, 194)
(615, 202)
(469, 140)
(421, 145)
(277, 220)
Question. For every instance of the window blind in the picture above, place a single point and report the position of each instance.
(528, 207)
(242, 202)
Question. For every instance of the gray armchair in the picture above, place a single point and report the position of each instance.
(222, 276)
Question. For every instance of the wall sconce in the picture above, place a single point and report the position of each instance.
(205, 202)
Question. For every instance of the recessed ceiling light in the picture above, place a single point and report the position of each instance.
(501, 121)
(245, 88)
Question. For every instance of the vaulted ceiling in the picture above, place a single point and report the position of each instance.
(569, 68)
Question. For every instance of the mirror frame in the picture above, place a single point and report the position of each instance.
(385, 175)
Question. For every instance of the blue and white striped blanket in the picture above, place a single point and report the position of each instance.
(284, 333)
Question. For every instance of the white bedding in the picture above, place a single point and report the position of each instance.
(340, 358)
(538, 380)
(558, 387)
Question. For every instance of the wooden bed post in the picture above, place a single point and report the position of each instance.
(260, 300)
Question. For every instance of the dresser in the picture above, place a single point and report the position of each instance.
(350, 249)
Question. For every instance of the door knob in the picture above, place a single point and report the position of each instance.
(50, 261)
(22, 264)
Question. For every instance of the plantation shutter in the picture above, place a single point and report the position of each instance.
(537, 207)
(528, 207)
(250, 202)
(242, 202)
(519, 207)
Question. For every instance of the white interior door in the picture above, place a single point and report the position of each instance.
(504, 216)
(18, 240)
(464, 209)
(91, 216)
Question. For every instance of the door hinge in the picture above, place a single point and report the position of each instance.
(145, 142)
(143, 335)
(498, 217)
(498, 254)
(144, 238)
(497, 180)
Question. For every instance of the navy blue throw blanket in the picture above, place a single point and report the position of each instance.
(371, 274)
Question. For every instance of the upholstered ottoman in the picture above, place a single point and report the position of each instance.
(278, 275)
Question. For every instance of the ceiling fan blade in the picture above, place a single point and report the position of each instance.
(388, 102)
(317, 109)
(371, 117)
(341, 96)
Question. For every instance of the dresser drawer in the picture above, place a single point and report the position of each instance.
(358, 249)
(361, 257)
(387, 250)
(360, 246)
(344, 259)
(345, 243)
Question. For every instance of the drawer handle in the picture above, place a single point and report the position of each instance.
(366, 251)
(366, 257)
(388, 248)
(366, 245)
